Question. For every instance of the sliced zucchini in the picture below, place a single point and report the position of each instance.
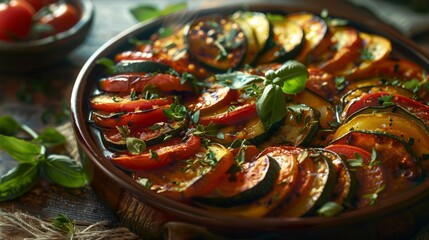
(393, 120)
(316, 32)
(141, 67)
(253, 131)
(255, 180)
(217, 42)
(316, 182)
(286, 42)
(155, 134)
(256, 28)
(298, 128)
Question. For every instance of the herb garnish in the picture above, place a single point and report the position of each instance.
(290, 78)
(33, 157)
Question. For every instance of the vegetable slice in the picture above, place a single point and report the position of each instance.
(114, 103)
(152, 159)
(286, 42)
(217, 42)
(196, 176)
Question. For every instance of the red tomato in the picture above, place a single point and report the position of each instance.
(63, 16)
(15, 20)
(38, 4)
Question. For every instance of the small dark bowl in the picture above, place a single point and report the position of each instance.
(147, 213)
(36, 54)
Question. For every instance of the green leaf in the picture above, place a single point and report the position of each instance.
(8, 125)
(135, 145)
(64, 171)
(291, 76)
(174, 8)
(20, 150)
(237, 80)
(145, 12)
(330, 209)
(18, 181)
(50, 137)
(271, 105)
(108, 63)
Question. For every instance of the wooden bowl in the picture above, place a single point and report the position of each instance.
(36, 54)
(147, 213)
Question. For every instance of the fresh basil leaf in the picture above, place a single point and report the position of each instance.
(64, 171)
(291, 76)
(271, 105)
(50, 137)
(20, 150)
(18, 181)
(145, 12)
(8, 125)
(174, 8)
(108, 63)
(237, 80)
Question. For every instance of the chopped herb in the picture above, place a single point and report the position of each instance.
(64, 223)
(133, 95)
(374, 196)
(357, 161)
(374, 160)
(231, 108)
(366, 54)
(145, 182)
(176, 112)
(386, 100)
(151, 91)
(153, 154)
(340, 82)
(115, 99)
(124, 131)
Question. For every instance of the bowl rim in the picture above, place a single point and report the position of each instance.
(86, 8)
(205, 217)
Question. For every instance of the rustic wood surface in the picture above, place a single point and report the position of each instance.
(28, 96)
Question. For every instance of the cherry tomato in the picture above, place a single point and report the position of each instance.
(15, 20)
(38, 4)
(63, 16)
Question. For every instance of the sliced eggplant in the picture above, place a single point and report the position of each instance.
(256, 179)
(141, 67)
(298, 128)
(155, 134)
(217, 42)
(316, 33)
(286, 42)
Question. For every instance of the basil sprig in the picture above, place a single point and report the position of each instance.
(290, 78)
(33, 159)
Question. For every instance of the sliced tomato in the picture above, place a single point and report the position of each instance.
(140, 118)
(239, 114)
(213, 99)
(182, 180)
(375, 49)
(402, 168)
(376, 99)
(345, 49)
(217, 42)
(322, 83)
(126, 82)
(165, 155)
(393, 153)
(316, 33)
(394, 68)
(114, 103)
(370, 178)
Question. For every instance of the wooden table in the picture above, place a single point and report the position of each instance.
(29, 95)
